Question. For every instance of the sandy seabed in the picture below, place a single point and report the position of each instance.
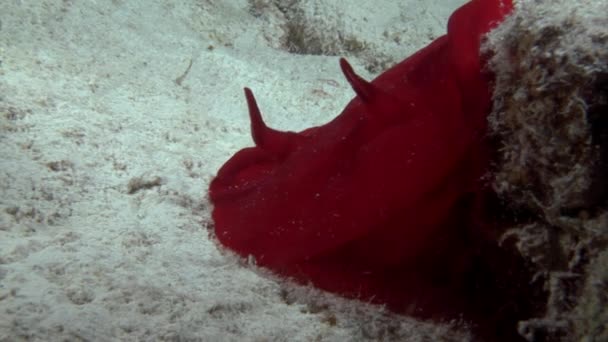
(115, 115)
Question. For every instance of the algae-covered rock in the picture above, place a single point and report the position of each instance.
(550, 119)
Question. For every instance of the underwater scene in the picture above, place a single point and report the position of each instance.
(287, 170)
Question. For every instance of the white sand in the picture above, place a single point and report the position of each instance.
(90, 108)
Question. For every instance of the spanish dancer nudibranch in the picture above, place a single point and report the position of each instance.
(384, 202)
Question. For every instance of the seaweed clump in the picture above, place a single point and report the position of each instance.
(306, 32)
(550, 118)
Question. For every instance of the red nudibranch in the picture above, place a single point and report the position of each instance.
(369, 204)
